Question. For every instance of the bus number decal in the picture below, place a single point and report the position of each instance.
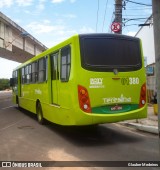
(125, 81)
(130, 81)
(133, 80)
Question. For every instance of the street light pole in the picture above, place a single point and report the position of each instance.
(156, 26)
(118, 14)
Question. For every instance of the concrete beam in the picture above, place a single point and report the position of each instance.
(15, 43)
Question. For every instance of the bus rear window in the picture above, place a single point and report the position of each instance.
(105, 53)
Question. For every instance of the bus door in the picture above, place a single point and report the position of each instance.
(55, 78)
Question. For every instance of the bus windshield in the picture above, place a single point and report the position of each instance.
(108, 52)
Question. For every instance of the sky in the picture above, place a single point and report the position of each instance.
(52, 21)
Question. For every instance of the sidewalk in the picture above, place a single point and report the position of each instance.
(149, 124)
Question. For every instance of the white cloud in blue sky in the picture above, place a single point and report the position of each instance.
(57, 1)
(24, 2)
(60, 1)
(9, 3)
(5, 3)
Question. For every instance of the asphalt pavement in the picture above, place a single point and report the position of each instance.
(23, 139)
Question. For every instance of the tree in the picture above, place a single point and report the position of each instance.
(4, 84)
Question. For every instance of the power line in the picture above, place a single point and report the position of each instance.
(97, 16)
(132, 19)
(133, 9)
(133, 15)
(130, 25)
(124, 26)
(138, 3)
(109, 29)
(139, 7)
(104, 15)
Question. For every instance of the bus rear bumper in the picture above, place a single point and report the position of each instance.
(97, 118)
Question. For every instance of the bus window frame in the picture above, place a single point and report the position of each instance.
(34, 72)
(54, 71)
(110, 68)
(15, 78)
(23, 75)
(43, 69)
(67, 64)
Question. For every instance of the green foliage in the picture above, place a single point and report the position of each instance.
(4, 84)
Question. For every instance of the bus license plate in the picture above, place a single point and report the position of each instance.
(114, 108)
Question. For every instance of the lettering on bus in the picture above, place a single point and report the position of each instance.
(96, 83)
(121, 99)
(130, 81)
(38, 91)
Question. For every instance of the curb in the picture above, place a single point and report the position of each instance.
(145, 128)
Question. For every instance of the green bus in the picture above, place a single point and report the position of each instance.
(87, 79)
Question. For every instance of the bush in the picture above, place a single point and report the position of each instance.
(4, 84)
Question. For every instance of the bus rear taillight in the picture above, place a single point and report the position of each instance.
(84, 101)
(142, 101)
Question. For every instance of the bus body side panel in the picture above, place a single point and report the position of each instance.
(31, 93)
(63, 114)
(14, 97)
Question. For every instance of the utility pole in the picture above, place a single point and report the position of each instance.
(118, 14)
(156, 27)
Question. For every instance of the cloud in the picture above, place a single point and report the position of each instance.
(131, 33)
(6, 3)
(57, 1)
(70, 16)
(85, 29)
(147, 11)
(24, 2)
(60, 1)
(50, 33)
(53, 33)
(72, 1)
(44, 27)
(9, 3)
(41, 6)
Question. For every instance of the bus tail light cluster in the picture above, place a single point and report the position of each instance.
(142, 101)
(84, 101)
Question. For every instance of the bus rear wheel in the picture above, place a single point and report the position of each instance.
(39, 114)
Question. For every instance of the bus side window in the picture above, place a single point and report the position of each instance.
(46, 61)
(15, 77)
(26, 74)
(23, 75)
(54, 60)
(65, 63)
(42, 70)
(29, 73)
(34, 72)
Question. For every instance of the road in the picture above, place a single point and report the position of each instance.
(23, 139)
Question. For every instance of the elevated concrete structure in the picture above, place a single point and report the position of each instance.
(15, 43)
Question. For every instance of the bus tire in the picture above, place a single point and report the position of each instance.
(39, 114)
